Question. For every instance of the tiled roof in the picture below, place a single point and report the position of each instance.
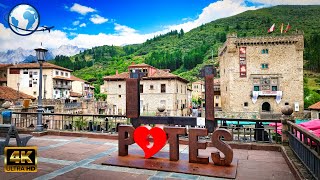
(62, 78)
(3, 79)
(139, 65)
(159, 74)
(120, 76)
(8, 93)
(73, 78)
(74, 94)
(46, 65)
(315, 106)
(5, 65)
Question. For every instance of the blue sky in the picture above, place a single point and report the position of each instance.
(88, 23)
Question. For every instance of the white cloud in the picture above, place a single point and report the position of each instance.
(81, 9)
(83, 25)
(123, 34)
(76, 23)
(216, 10)
(96, 19)
(70, 29)
(121, 29)
(287, 2)
(73, 34)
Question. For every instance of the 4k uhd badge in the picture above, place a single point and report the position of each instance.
(20, 159)
(24, 20)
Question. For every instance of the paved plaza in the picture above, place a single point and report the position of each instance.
(63, 157)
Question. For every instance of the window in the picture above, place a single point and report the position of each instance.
(216, 104)
(274, 88)
(217, 97)
(35, 82)
(245, 104)
(264, 66)
(34, 93)
(141, 88)
(119, 85)
(256, 88)
(56, 92)
(264, 51)
(151, 86)
(30, 74)
(57, 73)
(30, 83)
(119, 96)
(25, 71)
(286, 103)
(61, 73)
(181, 89)
(226, 88)
(163, 88)
(66, 74)
(35, 73)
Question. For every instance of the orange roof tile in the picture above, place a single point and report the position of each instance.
(159, 74)
(73, 78)
(120, 76)
(46, 65)
(5, 65)
(62, 78)
(315, 106)
(8, 93)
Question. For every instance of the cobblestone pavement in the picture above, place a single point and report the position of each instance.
(61, 157)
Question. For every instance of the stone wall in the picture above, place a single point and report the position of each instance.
(285, 63)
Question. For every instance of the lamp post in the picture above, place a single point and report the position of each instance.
(41, 53)
(45, 91)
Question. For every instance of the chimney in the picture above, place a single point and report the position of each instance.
(117, 72)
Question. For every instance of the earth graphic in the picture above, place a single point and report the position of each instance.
(24, 19)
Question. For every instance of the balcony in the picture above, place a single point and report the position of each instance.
(61, 86)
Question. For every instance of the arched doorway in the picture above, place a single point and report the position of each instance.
(266, 107)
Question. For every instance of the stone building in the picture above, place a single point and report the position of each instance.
(259, 75)
(82, 88)
(198, 91)
(56, 80)
(158, 88)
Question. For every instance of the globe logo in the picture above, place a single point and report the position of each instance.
(24, 19)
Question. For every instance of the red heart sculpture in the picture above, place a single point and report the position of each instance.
(141, 135)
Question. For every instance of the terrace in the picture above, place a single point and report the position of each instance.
(74, 146)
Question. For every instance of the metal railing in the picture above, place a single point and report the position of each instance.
(71, 122)
(306, 146)
(62, 86)
(243, 130)
(251, 130)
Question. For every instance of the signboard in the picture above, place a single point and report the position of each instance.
(243, 63)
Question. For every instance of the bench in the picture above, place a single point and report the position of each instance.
(8, 131)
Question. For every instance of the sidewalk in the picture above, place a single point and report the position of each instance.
(61, 157)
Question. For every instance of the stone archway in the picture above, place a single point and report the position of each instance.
(266, 107)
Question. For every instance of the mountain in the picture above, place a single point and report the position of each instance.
(22, 55)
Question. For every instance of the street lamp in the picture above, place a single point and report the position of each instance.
(41, 53)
